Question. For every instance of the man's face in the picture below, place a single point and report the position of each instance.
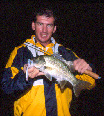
(44, 28)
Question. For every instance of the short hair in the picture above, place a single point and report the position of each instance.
(46, 12)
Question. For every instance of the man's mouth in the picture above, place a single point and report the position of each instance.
(44, 35)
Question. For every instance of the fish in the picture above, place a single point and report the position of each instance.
(60, 69)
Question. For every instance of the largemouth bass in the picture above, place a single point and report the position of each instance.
(54, 67)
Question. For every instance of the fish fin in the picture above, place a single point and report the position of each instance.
(68, 63)
(70, 66)
(42, 68)
(81, 85)
(58, 56)
(48, 76)
(62, 84)
(46, 70)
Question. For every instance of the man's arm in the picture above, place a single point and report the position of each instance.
(14, 79)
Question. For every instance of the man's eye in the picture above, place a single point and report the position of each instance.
(50, 25)
(39, 23)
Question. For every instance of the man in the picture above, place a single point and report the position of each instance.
(38, 96)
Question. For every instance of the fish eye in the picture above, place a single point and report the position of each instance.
(42, 59)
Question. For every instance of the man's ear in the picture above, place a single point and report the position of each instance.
(33, 26)
(54, 29)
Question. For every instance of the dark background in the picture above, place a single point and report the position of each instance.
(80, 28)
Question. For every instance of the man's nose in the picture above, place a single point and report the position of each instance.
(44, 28)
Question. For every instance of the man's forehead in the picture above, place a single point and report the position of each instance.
(45, 18)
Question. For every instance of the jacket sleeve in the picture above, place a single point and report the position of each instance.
(13, 79)
(67, 54)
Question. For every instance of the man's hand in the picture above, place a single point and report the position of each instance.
(32, 72)
(81, 65)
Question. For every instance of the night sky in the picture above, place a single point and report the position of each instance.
(80, 28)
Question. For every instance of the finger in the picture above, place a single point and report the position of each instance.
(77, 63)
(31, 69)
(33, 75)
(33, 72)
(89, 68)
(40, 73)
(85, 67)
(82, 67)
(24, 68)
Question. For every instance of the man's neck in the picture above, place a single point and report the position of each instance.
(44, 44)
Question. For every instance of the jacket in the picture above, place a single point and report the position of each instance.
(39, 96)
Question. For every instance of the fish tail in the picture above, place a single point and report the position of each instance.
(81, 85)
